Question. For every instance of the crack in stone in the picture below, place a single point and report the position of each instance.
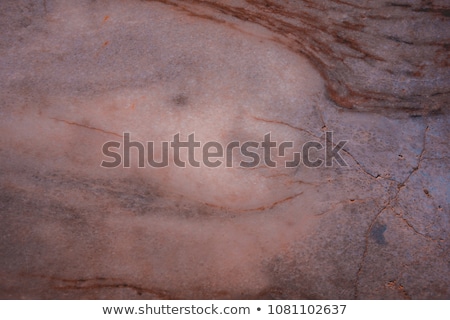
(349, 201)
(320, 113)
(286, 124)
(86, 127)
(100, 283)
(390, 201)
(115, 283)
(401, 216)
(360, 166)
(262, 208)
(419, 161)
(314, 184)
(366, 248)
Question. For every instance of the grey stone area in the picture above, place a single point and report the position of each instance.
(75, 75)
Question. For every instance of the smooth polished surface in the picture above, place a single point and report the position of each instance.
(76, 75)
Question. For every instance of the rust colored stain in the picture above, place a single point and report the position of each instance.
(106, 18)
(101, 48)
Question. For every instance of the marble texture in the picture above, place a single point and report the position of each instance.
(374, 55)
(78, 74)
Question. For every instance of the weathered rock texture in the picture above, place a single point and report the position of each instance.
(373, 55)
(75, 75)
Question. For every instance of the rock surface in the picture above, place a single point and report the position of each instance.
(374, 55)
(77, 75)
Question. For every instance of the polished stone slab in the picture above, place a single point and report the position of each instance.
(78, 75)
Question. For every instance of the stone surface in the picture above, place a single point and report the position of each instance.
(77, 75)
(373, 55)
